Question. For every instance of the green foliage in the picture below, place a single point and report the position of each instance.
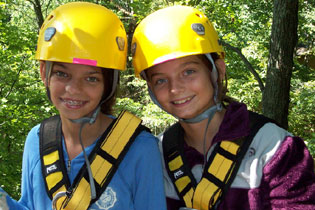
(23, 101)
(153, 117)
(245, 25)
(246, 91)
(134, 98)
(302, 116)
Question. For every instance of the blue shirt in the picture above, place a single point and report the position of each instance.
(137, 183)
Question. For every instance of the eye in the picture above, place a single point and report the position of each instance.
(93, 79)
(61, 74)
(160, 81)
(189, 72)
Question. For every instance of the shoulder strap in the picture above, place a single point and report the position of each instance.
(224, 163)
(221, 168)
(105, 159)
(175, 163)
(52, 156)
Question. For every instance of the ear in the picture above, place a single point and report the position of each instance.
(42, 66)
(220, 64)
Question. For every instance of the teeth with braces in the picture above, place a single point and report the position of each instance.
(74, 103)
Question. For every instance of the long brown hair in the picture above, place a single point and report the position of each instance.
(107, 106)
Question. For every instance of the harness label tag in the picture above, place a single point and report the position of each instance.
(51, 169)
(177, 174)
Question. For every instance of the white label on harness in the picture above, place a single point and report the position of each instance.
(51, 168)
(178, 174)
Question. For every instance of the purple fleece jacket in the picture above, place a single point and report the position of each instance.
(286, 178)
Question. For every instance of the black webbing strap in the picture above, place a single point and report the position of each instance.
(51, 144)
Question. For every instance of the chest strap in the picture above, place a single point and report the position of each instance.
(105, 159)
(220, 169)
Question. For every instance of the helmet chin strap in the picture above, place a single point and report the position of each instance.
(91, 120)
(85, 119)
(48, 69)
(208, 113)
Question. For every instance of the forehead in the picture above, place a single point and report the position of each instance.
(176, 65)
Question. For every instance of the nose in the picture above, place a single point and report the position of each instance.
(73, 86)
(176, 86)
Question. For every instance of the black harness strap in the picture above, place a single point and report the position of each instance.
(50, 143)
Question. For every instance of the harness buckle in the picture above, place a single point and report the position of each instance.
(56, 198)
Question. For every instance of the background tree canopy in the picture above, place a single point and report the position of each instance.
(245, 29)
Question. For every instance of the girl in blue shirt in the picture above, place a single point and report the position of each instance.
(81, 48)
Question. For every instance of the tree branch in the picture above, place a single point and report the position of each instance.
(47, 7)
(17, 78)
(246, 62)
(122, 9)
(38, 11)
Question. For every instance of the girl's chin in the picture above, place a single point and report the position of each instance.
(186, 115)
(72, 116)
(183, 115)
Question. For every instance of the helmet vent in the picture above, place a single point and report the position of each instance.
(198, 15)
(50, 17)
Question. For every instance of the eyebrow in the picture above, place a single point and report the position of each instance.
(60, 65)
(154, 75)
(95, 72)
(188, 63)
(90, 72)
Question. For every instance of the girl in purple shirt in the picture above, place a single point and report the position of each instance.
(218, 155)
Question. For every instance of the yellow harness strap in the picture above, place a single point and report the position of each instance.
(209, 189)
(104, 162)
(183, 184)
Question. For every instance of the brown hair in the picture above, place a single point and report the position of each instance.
(222, 84)
(107, 106)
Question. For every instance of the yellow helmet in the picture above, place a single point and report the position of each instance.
(83, 33)
(170, 33)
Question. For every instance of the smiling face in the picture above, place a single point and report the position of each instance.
(182, 86)
(75, 89)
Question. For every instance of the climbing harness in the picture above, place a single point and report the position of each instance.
(220, 169)
(105, 159)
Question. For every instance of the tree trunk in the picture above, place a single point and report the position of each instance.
(38, 11)
(276, 96)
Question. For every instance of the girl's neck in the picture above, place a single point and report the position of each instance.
(195, 132)
(89, 133)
